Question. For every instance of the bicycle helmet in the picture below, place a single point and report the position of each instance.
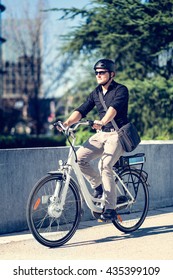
(105, 64)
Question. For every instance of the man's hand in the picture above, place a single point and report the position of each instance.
(59, 128)
(97, 125)
(74, 118)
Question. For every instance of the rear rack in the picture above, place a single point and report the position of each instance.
(137, 160)
(130, 160)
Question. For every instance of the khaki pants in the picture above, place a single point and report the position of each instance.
(107, 147)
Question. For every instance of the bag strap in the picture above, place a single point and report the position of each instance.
(105, 107)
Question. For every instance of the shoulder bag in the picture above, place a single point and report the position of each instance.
(128, 134)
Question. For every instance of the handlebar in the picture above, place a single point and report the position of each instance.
(75, 126)
(68, 131)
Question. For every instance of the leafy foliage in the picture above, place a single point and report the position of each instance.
(25, 141)
(151, 107)
(137, 35)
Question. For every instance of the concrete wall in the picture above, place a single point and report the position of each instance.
(21, 168)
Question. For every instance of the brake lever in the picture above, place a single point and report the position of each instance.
(90, 123)
(60, 126)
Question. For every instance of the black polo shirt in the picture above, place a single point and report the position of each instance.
(116, 97)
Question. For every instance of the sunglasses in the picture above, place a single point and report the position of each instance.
(100, 72)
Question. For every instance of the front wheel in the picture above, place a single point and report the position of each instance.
(131, 216)
(49, 224)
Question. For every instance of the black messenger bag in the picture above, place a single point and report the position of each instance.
(128, 134)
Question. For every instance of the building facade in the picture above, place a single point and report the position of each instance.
(2, 40)
(22, 78)
(21, 99)
(21, 85)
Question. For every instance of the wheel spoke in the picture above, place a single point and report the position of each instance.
(131, 216)
(50, 225)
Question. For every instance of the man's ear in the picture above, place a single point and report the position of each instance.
(112, 74)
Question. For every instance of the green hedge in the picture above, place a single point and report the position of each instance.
(24, 141)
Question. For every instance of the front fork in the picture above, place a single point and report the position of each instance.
(57, 200)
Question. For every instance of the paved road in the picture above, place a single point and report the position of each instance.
(96, 241)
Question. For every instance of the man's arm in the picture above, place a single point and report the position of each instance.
(110, 114)
(74, 118)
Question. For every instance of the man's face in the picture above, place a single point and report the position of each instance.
(102, 75)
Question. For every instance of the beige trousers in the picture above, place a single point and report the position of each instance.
(107, 147)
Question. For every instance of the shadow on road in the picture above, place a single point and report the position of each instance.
(149, 231)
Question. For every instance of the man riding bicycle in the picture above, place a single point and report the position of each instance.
(105, 143)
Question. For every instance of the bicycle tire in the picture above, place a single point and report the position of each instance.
(131, 217)
(48, 227)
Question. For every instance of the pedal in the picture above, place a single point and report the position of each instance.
(96, 214)
(103, 221)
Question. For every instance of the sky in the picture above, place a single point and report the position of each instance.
(16, 7)
(54, 27)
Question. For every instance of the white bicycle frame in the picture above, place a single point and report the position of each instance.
(73, 165)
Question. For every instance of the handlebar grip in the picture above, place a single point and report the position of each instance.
(55, 124)
(59, 124)
(90, 122)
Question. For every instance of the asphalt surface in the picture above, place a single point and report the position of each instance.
(100, 241)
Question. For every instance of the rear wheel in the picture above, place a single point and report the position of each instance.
(50, 225)
(131, 216)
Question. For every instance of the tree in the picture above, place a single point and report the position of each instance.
(136, 34)
(151, 107)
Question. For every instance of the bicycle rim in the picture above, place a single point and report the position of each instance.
(50, 226)
(131, 217)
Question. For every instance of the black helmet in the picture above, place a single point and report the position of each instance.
(105, 64)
